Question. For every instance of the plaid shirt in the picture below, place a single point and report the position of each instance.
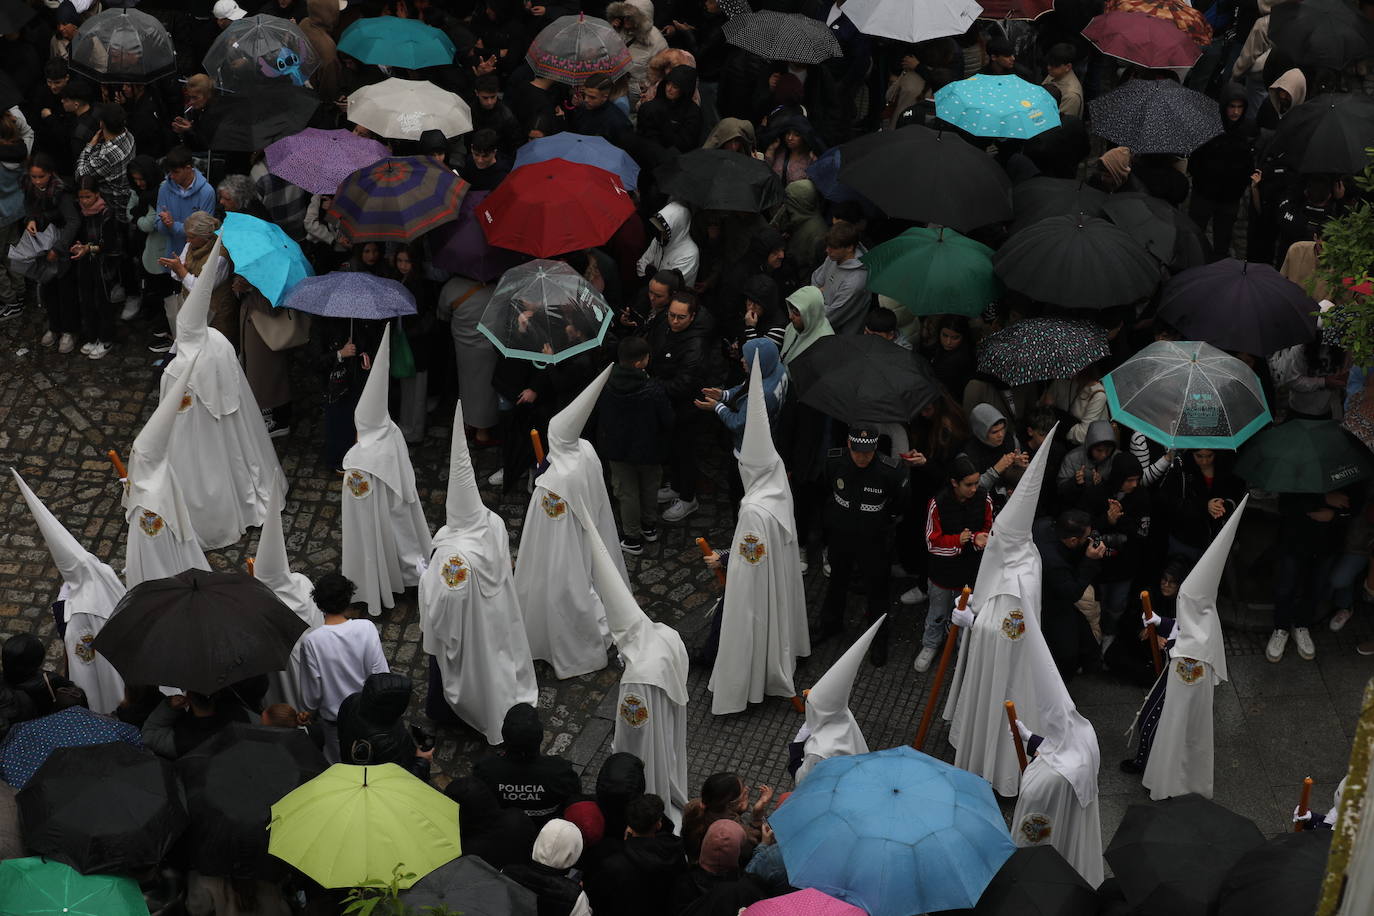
(109, 162)
(285, 202)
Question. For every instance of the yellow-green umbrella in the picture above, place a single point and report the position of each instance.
(352, 825)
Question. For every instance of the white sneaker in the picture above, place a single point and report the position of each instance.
(923, 659)
(1340, 619)
(99, 350)
(679, 510)
(913, 595)
(804, 565)
(48, 339)
(86, 347)
(131, 308)
(498, 478)
(666, 494)
(1278, 642)
(1306, 650)
(67, 344)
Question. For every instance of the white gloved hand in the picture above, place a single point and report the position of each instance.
(1153, 620)
(1300, 816)
(1025, 733)
(962, 617)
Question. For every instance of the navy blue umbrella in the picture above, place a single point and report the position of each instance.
(351, 294)
(30, 743)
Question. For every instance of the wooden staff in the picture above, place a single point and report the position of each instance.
(251, 563)
(538, 447)
(1150, 636)
(706, 551)
(929, 716)
(120, 470)
(1302, 802)
(1016, 735)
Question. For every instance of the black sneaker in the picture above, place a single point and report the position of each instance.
(633, 546)
(11, 310)
(650, 534)
(160, 346)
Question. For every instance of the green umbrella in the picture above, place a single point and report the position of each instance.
(934, 272)
(42, 887)
(1304, 456)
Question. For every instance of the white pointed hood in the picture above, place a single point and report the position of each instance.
(760, 467)
(470, 529)
(1069, 744)
(463, 507)
(653, 652)
(574, 468)
(272, 568)
(834, 732)
(215, 380)
(92, 587)
(565, 429)
(152, 481)
(381, 447)
(1011, 553)
(1198, 620)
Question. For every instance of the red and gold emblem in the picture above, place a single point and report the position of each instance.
(1035, 828)
(151, 523)
(455, 572)
(186, 402)
(634, 711)
(751, 549)
(1190, 670)
(358, 484)
(554, 505)
(85, 648)
(1014, 624)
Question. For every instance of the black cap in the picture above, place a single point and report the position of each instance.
(863, 438)
(433, 141)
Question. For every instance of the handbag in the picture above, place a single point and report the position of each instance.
(281, 328)
(402, 359)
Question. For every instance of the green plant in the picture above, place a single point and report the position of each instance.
(385, 899)
(1346, 264)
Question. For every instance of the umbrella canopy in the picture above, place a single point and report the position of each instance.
(997, 106)
(808, 902)
(1280, 877)
(260, 117)
(1172, 856)
(468, 884)
(717, 179)
(317, 160)
(825, 175)
(103, 809)
(572, 48)
(30, 743)
(904, 20)
(1321, 33)
(544, 311)
(398, 199)
(554, 207)
(1036, 881)
(232, 781)
(352, 825)
(1187, 394)
(403, 109)
(1304, 456)
(1014, 9)
(1183, 16)
(1162, 229)
(41, 887)
(390, 41)
(934, 272)
(1040, 349)
(264, 255)
(122, 46)
(199, 630)
(351, 294)
(256, 50)
(893, 832)
(594, 151)
(14, 15)
(1141, 39)
(928, 176)
(1077, 262)
(1155, 116)
(859, 377)
(1238, 306)
(789, 37)
(1328, 134)
(1042, 196)
(461, 246)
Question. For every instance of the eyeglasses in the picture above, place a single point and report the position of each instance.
(674, 316)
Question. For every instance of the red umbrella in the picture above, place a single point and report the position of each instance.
(1181, 14)
(553, 207)
(1015, 9)
(1142, 39)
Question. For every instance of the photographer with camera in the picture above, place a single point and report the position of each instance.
(1122, 515)
(1071, 552)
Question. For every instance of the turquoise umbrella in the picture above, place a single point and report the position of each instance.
(997, 106)
(43, 887)
(264, 255)
(390, 41)
(1187, 394)
(934, 272)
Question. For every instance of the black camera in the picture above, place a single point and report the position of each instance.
(1113, 542)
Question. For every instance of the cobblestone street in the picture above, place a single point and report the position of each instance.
(59, 414)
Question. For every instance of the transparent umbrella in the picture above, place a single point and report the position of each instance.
(572, 48)
(258, 49)
(544, 311)
(123, 46)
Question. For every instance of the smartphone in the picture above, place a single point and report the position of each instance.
(423, 739)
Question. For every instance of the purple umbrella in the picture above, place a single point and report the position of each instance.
(318, 160)
(461, 246)
(351, 294)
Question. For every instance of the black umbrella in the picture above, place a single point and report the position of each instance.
(1241, 307)
(1036, 881)
(123, 46)
(1155, 116)
(717, 179)
(1328, 134)
(1041, 197)
(1321, 33)
(1162, 229)
(1172, 856)
(859, 377)
(791, 37)
(103, 809)
(935, 177)
(10, 95)
(13, 15)
(1076, 262)
(256, 119)
(471, 886)
(199, 630)
(1281, 877)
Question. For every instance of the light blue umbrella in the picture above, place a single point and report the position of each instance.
(594, 151)
(264, 255)
(893, 832)
(352, 294)
(997, 106)
(389, 41)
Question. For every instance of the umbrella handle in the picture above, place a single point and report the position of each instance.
(1016, 735)
(1302, 802)
(120, 470)
(1150, 634)
(945, 654)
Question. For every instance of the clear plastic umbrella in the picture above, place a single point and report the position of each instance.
(123, 46)
(258, 49)
(572, 48)
(544, 311)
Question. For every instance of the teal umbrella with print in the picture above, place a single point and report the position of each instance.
(997, 106)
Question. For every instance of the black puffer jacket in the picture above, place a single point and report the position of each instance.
(372, 726)
(681, 360)
(633, 418)
(676, 123)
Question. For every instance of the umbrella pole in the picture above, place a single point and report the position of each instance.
(120, 470)
(1303, 801)
(1150, 634)
(1016, 735)
(950, 640)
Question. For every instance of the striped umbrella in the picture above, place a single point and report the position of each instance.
(398, 199)
(1183, 16)
(572, 48)
(1040, 349)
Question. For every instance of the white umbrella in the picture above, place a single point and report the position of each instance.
(404, 109)
(909, 20)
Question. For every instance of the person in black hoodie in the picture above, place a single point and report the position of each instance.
(490, 113)
(498, 836)
(1071, 560)
(633, 420)
(672, 119)
(540, 785)
(595, 115)
(682, 354)
(372, 727)
(1221, 170)
(638, 876)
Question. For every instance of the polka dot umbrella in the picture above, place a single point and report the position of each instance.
(997, 106)
(1041, 349)
(28, 744)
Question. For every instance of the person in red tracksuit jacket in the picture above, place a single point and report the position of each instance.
(958, 520)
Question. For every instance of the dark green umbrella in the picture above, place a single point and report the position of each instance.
(1304, 456)
(1077, 262)
(42, 887)
(934, 272)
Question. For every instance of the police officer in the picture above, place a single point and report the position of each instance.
(867, 494)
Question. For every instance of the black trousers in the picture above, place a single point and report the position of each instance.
(872, 562)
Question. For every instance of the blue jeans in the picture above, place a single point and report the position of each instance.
(1344, 576)
(941, 602)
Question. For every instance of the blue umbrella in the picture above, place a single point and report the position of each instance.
(825, 175)
(264, 255)
(351, 294)
(390, 41)
(997, 106)
(893, 832)
(28, 744)
(594, 151)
